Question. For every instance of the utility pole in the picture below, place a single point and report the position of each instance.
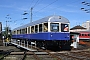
(7, 30)
(31, 14)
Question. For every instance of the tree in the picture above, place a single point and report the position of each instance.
(7, 32)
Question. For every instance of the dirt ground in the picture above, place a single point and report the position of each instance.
(5, 48)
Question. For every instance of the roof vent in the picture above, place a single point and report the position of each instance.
(59, 17)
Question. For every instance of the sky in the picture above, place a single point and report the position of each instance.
(13, 10)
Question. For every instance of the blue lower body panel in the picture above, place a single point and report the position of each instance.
(44, 36)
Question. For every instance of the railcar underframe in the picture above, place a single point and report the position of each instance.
(49, 44)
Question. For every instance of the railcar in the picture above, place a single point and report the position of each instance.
(49, 32)
(84, 35)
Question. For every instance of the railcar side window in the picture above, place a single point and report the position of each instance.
(18, 31)
(54, 27)
(36, 28)
(40, 27)
(22, 31)
(45, 27)
(32, 29)
(25, 30)
(82, 34)
(88, 34)
(14, 32)
(64, 28)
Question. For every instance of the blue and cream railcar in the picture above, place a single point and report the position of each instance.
(47, 32)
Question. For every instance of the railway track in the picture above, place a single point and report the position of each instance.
(75, 55)
(37, 55)
(47, 55)
(6, 53)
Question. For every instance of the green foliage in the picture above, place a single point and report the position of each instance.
(7, 32)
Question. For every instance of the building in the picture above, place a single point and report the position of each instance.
(78, 28)
(86, 25)
(0, 27)
(84, 34)
(0, 33)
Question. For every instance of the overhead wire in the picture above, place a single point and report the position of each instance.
(30, 5)
(35, 4)
(66, 5)
(46, 6)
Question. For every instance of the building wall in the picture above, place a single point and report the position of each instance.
(86, 25)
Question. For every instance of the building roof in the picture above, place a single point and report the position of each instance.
(52, 18)
(77, 27)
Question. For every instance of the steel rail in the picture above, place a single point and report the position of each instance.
(24, 56)
(7, 53)
(48, 51)
(35, 56)
(83, 53)
(70, 56)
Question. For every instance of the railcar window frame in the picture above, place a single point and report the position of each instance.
(29, 29)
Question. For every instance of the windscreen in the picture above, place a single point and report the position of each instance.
(54, 27)
(64, 27)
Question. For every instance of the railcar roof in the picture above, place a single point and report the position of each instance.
(52, 18)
